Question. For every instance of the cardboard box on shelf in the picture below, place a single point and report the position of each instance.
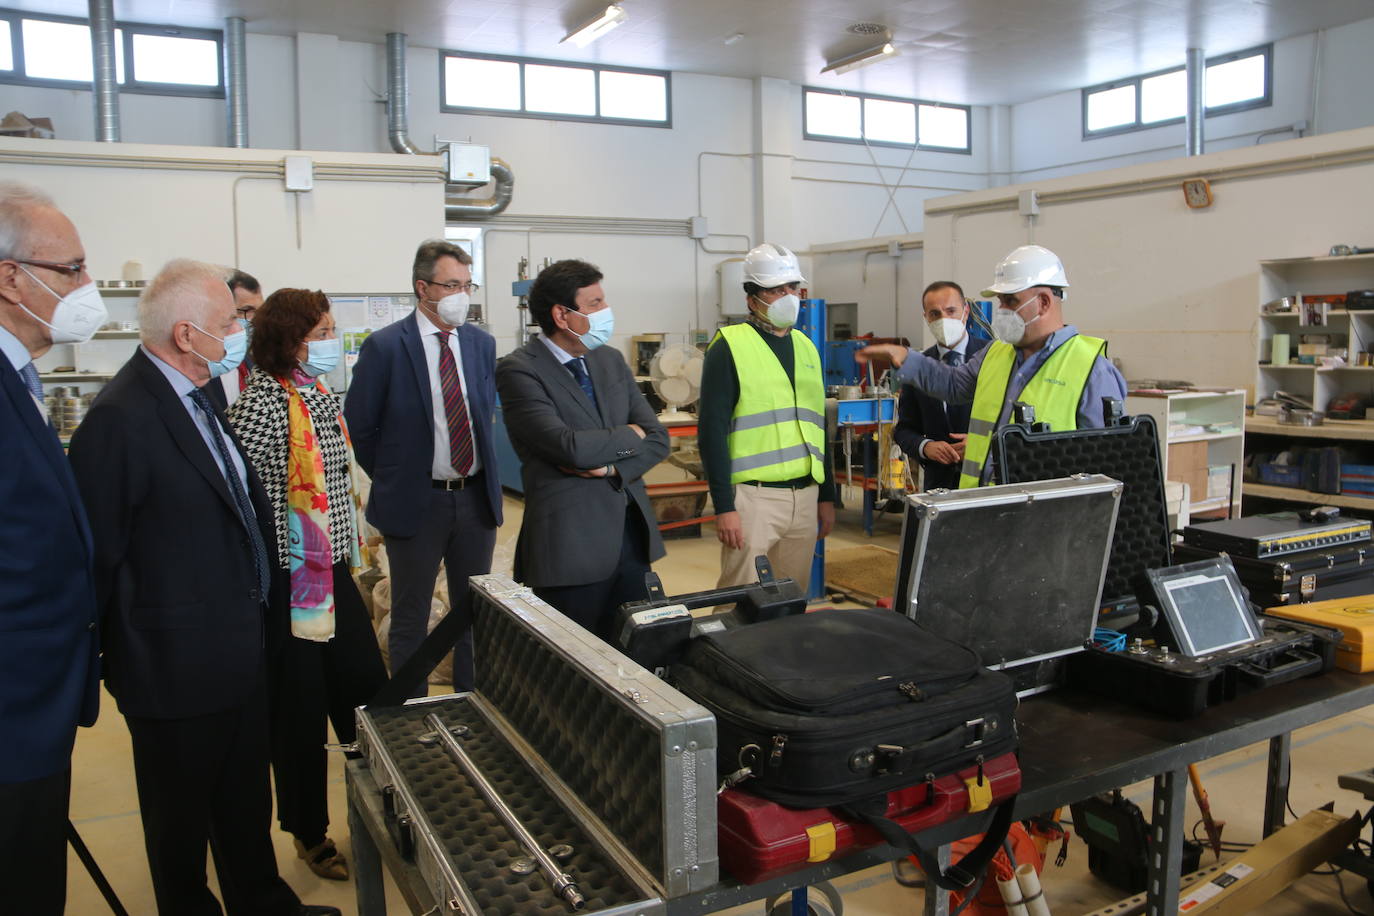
(1188, 463)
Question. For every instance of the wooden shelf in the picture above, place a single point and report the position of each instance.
(115, 335)
(1205, 437)
(75, 376)
(1292, 494)
(1207, 505)
(1362, 430)
(1319, 259)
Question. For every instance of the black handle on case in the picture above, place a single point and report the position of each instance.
(1305, 663)
(960, 875)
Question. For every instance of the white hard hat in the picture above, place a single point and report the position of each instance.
(1027, 266)
(770, 265)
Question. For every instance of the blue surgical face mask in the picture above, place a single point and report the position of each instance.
(322, 358)
(235, 346)
(600, 327)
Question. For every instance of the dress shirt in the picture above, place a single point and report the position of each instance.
(443, 461)
(19, 357)
(232, 389)
(957, 384)
(183, 386)
(961, 347)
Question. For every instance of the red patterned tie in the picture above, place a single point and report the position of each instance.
(459, 429)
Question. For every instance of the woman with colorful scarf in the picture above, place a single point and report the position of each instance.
(292, 429)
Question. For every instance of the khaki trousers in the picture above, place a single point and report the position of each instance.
(778, 523)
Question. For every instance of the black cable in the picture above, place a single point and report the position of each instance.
(1340, 886)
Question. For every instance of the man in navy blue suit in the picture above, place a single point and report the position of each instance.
(929, 430)
(49, 665)
(420, 408)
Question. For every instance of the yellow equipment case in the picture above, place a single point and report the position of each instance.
(1354, 617)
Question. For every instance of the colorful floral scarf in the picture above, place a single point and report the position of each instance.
(307, 514)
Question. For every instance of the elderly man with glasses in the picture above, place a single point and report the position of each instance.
(420, 409)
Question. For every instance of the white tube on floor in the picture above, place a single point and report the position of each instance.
(1036, 905)
(1011, 896)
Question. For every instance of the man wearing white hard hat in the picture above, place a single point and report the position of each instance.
(761, 426)
(1037, 359)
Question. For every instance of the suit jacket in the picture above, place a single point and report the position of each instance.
(185, 630)
(390, 416)
(920, 416)
(573, 526)
(49, 653)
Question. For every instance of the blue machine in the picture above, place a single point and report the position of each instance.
(841, 368)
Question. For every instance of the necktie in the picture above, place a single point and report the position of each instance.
(236, 490)
(954, 358)
(455, 409)
(578, 367)
(31, 381)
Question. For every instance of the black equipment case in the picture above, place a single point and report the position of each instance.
(1342, 571)
(1127, 449)
(836, 705)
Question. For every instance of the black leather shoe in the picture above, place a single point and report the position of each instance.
(309, 909)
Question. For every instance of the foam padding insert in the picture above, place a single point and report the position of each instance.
(1129, 453)
(478, 842)
(610, 758)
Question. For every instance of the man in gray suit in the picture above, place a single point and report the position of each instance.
(585, 436)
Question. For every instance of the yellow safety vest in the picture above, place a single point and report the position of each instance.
(1054, 391)
(777, 431)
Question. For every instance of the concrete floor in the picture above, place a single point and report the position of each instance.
(105, 808)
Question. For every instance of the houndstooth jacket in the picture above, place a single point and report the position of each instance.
(261, 421)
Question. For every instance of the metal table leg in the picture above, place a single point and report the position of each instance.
(1166, 846)
(366, 865)
(1276, 787)
(936, 897)
(799, 905)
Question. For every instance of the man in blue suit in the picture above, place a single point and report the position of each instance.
(49, 665)
(420, 409)
(929, 430)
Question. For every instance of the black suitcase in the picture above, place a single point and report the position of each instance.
(1341, 571)
(836, 705)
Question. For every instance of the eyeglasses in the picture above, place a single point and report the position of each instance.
(76, 269)
(456, 287)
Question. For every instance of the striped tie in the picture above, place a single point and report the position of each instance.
(455, 409)
(31, 381)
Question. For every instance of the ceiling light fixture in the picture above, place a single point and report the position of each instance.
(590, 31)
(861, 59)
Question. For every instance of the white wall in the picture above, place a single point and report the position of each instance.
(1175, 291)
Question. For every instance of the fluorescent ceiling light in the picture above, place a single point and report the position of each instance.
(861, 59)
(590, 31)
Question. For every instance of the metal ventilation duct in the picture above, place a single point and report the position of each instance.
(235, 84)
(1197, 111)
(105, 89)
(457, 205)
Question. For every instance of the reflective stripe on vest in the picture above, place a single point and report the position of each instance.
(1054, 391)
(777, 430)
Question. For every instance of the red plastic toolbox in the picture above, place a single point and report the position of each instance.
(760, 839)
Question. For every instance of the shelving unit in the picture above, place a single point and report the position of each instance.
(1221, 416)
(101, 356)
(1294, 277)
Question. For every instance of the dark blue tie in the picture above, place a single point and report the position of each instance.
(31, 380)
(231, 475)
(954, 358)
(578, 367)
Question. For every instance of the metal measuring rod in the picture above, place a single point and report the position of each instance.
(563, 884)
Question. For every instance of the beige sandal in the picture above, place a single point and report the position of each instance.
(324, 860)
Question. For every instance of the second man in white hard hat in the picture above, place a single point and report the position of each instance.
(1037, 359)
(762, 429)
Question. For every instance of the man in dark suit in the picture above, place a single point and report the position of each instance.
(585, 436)
(49, 665)
(420, 410)
(183, 532)
(928, 430)
(247, 299)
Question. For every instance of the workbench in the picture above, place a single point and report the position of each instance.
(1072, 745)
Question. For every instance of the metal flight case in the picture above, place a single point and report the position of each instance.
(609, 770)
